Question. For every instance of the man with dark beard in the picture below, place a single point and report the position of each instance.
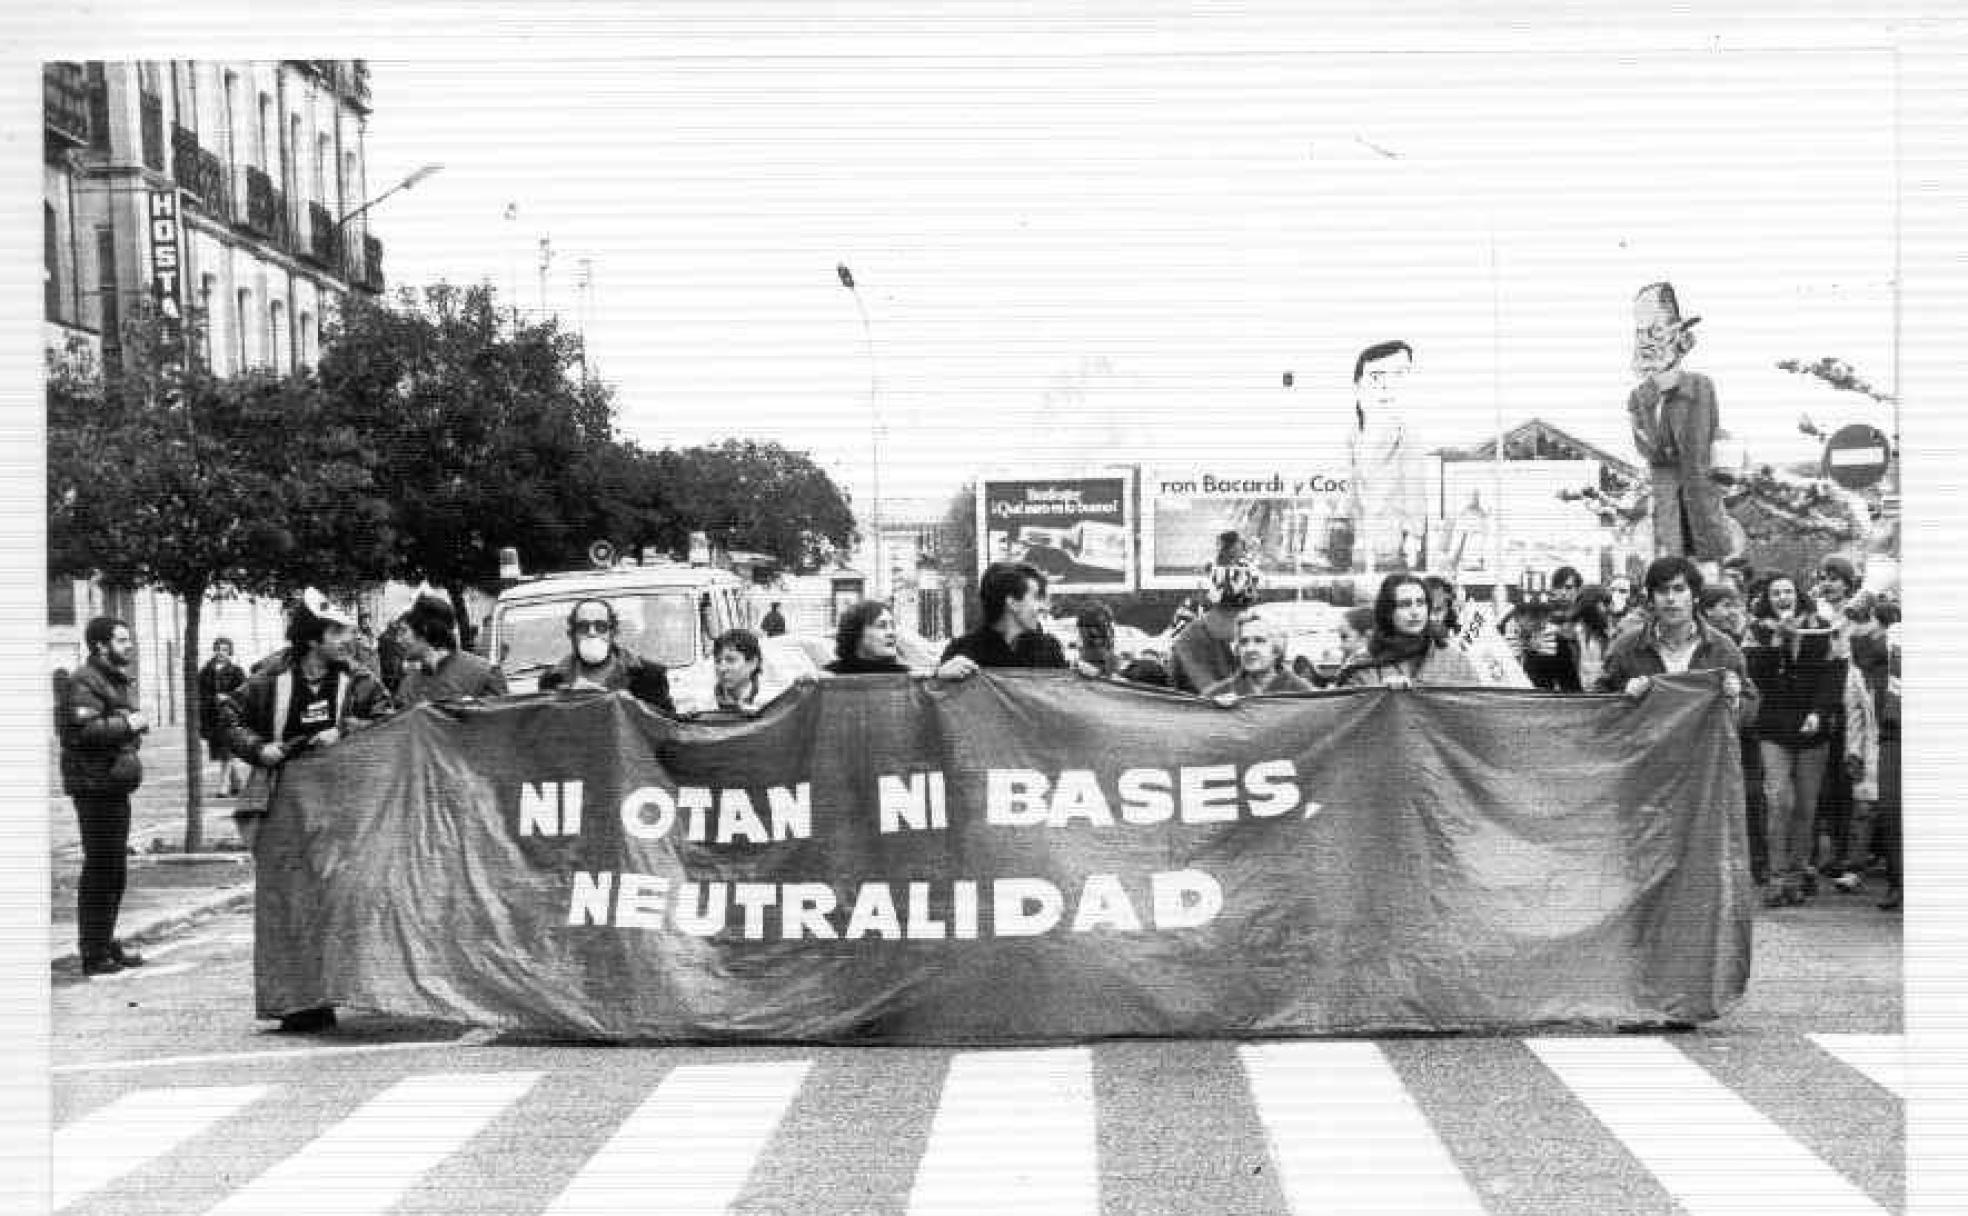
(101, 732)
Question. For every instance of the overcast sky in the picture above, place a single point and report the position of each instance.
(1068, 252)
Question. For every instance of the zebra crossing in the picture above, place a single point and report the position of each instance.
(1334, 1126)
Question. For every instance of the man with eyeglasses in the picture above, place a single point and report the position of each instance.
(1388, 490)
(596, 661)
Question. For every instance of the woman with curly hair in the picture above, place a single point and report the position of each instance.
(864, 641)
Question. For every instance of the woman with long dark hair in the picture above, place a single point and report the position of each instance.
(1400, 652)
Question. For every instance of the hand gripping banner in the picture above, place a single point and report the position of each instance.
(1018, 857)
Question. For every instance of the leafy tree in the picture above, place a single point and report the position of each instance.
(162, 476)
(485, 429)
(748, 494)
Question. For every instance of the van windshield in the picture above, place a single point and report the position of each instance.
(656, 626)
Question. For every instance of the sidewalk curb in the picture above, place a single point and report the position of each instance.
(172, 921)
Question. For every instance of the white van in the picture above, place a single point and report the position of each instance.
(667, 612)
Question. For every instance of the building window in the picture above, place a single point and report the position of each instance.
(277, 335)
(267, 133)
(244, 317)
(207, 286)
(323, 158)
(232, 119)
(61, 601)
(106, 301)
(50, 264)
(310, 341)
(291, 158)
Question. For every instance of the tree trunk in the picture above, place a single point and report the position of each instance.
(194, 838)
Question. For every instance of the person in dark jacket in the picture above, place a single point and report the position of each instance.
(1791, 659)
(864, 642)
(217, 679)
(1013, 596)
(1676, 639)
(774, 622)
(102, 728)
(1203, 652)
(312, 700)
(597, 661)
(434, 667)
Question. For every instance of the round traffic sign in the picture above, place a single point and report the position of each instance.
(1856, 456)
(601, 555)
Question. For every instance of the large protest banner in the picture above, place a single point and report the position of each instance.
(1020, 856)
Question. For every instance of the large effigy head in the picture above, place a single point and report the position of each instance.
(1661, 336)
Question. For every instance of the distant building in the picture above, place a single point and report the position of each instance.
(221, 187)
(226, 189)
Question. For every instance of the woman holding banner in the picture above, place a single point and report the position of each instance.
(865, 643)
(1400, 652)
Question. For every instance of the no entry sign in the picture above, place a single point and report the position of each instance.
(1856, 456)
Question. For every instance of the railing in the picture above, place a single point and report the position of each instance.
(65, 101)
(201, 173)
(150, 108)
(266, 209)
(324, 247)
(371, 279)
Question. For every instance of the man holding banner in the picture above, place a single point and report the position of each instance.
(1676, 640)
(1013, 596)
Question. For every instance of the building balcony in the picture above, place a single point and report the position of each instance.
(371, 278)
(266, 209)
(201, 174)
(65, 104)
(150, 109)
(324, 244)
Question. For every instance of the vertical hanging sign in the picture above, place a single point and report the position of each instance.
(166, 254)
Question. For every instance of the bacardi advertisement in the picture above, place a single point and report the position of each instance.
(1077, 531)
(1293, 521)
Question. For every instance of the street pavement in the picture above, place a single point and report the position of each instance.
(169, 1097)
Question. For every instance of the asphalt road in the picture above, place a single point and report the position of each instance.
(168, 1097)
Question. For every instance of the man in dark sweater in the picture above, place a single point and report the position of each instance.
(1013, 633)
(435, 668)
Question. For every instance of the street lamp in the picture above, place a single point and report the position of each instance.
(405, 184)
(874, 418)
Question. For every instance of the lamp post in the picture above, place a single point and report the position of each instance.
(874, 423)
(405, 184)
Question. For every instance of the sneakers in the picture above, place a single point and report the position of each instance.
(125, 958)
(1849, 883)
(308, 1021)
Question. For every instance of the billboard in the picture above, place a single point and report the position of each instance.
(1294, 520)
(1540, 530)
(1077, 531)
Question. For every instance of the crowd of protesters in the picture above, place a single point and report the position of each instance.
(1811, 663)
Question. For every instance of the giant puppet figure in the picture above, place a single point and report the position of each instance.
(1674, 424)
(1388, 488)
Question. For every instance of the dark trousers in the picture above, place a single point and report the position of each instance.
(1887, 810)
(1755, 807)
(105, 820)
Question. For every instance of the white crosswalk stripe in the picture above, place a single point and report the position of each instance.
(1340, 1124)
(1881, 1057)
(1014, 1132)
(1709, 1148)
(366, 1162)
(689, 1148)
(106, 1144)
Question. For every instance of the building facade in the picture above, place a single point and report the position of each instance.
(231, 191)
